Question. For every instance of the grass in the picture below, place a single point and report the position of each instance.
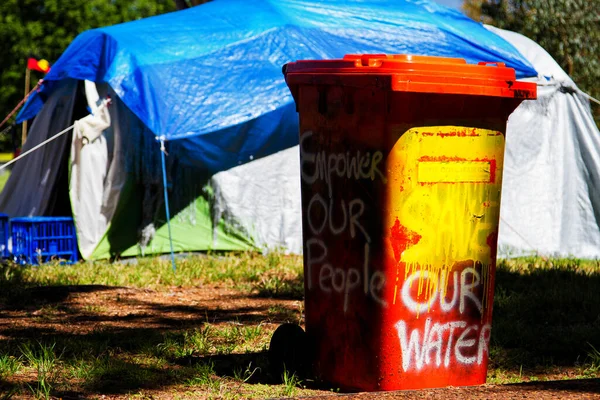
(9, 365)
(249, 272)
(290, 383)
(546, 312)
(212, 339)
(108, 362)
(43, 359)
(546, 325)
(593, 362)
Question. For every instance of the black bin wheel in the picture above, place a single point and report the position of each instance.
(289, 351)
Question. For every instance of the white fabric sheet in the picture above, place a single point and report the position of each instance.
(263, 197)
(551, 187)
(97, 171)
(89, 159)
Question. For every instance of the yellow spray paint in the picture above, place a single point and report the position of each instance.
(444, 187)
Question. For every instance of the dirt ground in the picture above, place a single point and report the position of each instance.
(76, 311)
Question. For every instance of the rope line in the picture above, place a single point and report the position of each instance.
(21, 103)
(14, 160)
(589, 97)
(523, 238)
(105, 103)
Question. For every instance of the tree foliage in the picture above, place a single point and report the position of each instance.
(568, 29)
(44, 29)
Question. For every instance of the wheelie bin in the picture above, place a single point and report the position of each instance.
(401, 170)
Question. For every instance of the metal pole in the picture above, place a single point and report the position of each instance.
(164, 174)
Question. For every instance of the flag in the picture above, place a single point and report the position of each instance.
(41, 65)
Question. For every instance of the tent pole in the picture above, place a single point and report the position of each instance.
(27, 89)
(164, 175)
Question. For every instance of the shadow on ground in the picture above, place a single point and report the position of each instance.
(38, 296)
(571, 385)
(124, 350)
(547, 316)
(543, 318)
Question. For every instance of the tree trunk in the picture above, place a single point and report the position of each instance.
(181, 4)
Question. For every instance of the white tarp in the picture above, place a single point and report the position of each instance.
(89, 159)
(550, 192)
(263, 196)
(97, 175)
(551, 188)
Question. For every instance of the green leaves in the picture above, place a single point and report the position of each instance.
(568, 29)
(44, 29)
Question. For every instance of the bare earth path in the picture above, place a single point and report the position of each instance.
(122, 315)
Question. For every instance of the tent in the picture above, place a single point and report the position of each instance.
(551, 181)
(213, 94)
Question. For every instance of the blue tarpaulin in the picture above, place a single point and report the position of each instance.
(212, 73)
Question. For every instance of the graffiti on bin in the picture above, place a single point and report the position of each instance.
(447, 209)
(442, 232)
(439, 343)
(462, 294)
(452, 296)
(326, 167)
(341, 280)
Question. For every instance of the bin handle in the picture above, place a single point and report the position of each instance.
(365, 60)
(492, 63)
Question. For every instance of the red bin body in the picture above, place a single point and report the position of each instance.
(401, 164)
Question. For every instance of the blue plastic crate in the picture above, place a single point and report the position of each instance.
(44, 239)
(4, 235)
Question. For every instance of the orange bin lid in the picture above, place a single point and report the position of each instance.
(408, 73)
